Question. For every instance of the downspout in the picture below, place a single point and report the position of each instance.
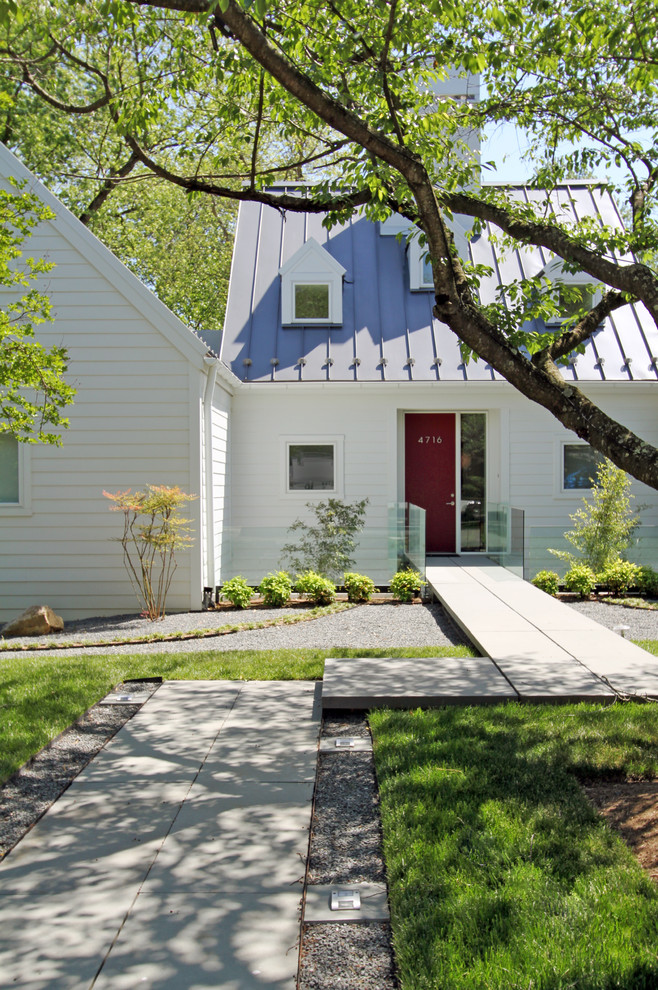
(208, 393)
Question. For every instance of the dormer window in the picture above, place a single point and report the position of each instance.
(312, 288)
(421, 278)
(573, 293)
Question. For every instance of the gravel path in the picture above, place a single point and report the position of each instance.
(364, 626)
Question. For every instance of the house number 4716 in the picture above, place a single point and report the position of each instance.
(430, 439)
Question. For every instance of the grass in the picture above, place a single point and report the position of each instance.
(40, 695)
(502, 876)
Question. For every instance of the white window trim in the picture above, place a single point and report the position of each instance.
(556, 273)
(312, 265)
(573, 494)
(24, 505)
(416, 255)
(308, 495)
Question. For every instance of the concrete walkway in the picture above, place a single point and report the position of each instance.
(534, 648)
(176, 859)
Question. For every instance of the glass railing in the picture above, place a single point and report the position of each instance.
(254, 551)
(643, 548)
(406, 540)
(506, 536)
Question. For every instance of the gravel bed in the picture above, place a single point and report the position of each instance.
(643, 622)
(364, 626)
(28, 794)
(346, 847)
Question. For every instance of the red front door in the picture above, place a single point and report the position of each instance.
(430, 475)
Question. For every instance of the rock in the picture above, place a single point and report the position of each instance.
(34, 621)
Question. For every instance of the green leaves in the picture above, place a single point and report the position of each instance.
(32, 387)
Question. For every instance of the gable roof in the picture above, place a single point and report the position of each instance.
(107, 264)
(388, 331)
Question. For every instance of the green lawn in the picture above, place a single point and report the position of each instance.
(502, 876)
(41, 695)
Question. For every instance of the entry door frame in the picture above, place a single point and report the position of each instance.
(402, 413)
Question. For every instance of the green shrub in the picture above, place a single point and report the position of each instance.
(619, 577)
(580, 578)
(405, 585)
(359, 588)
(647, 581)
(237, 591)
(275, 589)
(604, 526)
(547, 581)
(316, 588)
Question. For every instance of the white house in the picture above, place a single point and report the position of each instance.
(351, 388)
(333, 380)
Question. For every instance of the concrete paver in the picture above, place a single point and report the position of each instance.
(408, 683)
(374, 903)
(553, 633)
(176, 859)
(553, 680)
(197, 940)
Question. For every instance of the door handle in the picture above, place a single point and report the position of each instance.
(451, 503)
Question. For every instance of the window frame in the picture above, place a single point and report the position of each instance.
(562, 490)
(310, 280)
(417, 254)
(313, 440)
(24, 505)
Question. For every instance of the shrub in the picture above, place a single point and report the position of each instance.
(237, 591)
(275, 589)
(325, 547)
(359, 588)
(316, 588)
(547, 581)
(619, 577)
(406, 584)
(153, 531)
(604, 526)
(580, 578)
(647, 581)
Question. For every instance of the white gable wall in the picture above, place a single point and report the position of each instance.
(136, 420)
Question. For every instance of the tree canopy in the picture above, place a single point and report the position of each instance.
(222, 98)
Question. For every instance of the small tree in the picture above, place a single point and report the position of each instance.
(152, 532)
(326, 546)
(604, 526)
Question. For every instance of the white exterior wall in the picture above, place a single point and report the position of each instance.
(215, 500)
(135, 421)
(535, 468)
(524, 457)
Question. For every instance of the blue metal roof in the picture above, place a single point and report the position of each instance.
(388, 331)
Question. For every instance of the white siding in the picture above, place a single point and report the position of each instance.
(523, 458)
(132, 424)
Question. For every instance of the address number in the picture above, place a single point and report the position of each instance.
(430, 439)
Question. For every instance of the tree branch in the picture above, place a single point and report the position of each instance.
(108, 187)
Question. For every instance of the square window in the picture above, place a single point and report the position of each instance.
(311, 301)
(573, 301)
(9, 470)
(579, 466)
(311, 467)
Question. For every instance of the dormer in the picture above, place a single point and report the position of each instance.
(312, 288)
(573, 291)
